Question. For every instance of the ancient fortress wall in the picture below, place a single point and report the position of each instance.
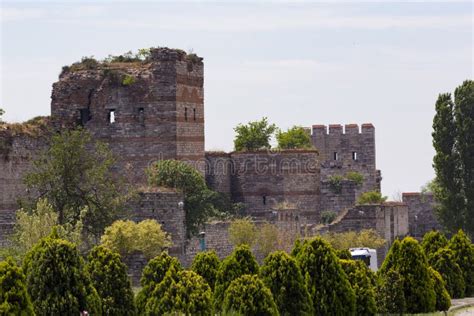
(421, 210)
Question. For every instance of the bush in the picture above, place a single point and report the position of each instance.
(355, 176)
(443, 262)
(391, 260)
(443, 301)
(390, 296)
(240, 262)
(327, 217)
(351, 239)
(357, 274)
(327, 283)
(14, 299)
(282, 275)
(335, 184)
(432, 242)
(56, 281)
(109, 277)
(267, 240)
(254, 136)
(153, 274)
(206, 265)
(464, 257)
(247, 295)
(128, 80)
(371, 197)
(294, 138)
(126, 237)
(242, 232)
(183, 292)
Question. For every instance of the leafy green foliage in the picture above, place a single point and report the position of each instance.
(56, 281)
(247, 295)
(268, 239)
(327, 217)
(126, 237)
(282, 275)
(335, 184)
(351, 239)
(254, 136)
(371, 197)
(294, 138)
(443, 262)
(453, 140)
(463, 250)
(152, 275)
(14, 299)
(390, 296)
(391, 260)
(72, 178)
(432, 242)
(128, 80)
(240, 262)
(358, 275)
(326, 281)
(109, 277)
(443, 301)
(206, 264)
(183, 292)
(242, 231)
(355, 176)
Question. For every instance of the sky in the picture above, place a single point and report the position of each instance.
(297, 63)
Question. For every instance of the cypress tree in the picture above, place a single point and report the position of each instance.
(109, 277)
(360, 281)
(327, 283)
(391, 259)
(463, 250)
(444, 263)
(240, 262)
(432, 242)
(248, 295)
(14, 299)
(443, 301)
(282, 275)
(389, 293)
(206, 264)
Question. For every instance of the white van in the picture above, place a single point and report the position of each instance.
(369, 256)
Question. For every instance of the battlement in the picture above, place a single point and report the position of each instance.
(338, 129)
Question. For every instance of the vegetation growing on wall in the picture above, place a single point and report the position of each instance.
(371, 197)
(295, 137)
(355, 176)
(335, 184)
(254, 135)
(351, 239)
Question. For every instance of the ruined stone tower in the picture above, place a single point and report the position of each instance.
(145, 110)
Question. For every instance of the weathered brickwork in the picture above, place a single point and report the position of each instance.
(338, 198)
(422, 217)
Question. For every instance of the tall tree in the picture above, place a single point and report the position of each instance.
(254, 135)
(453, 140)
(294, 138)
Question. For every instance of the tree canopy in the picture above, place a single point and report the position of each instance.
(254, 135)
(295, 137)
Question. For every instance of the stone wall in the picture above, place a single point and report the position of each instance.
(338, 199)
(219, 170)
(421, 210)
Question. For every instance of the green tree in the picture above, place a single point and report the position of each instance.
(267, 239)
(206, 264)
(181, 292)
(254, 136)
(326, 281)
(126, 237)
(391, 260)
(282, 275)
(371, 197)
(432, 242)
(109, 277)
(73, 177)
(248, 295)
(351, 239)
(390, 296)
(294, 138)
(358, 275)
(240, 262)
(453, 140)
(152, 275)
(242, 231)
(443, 301)
(56, 280)
(463, 250)
(14, 299)
(443, 262)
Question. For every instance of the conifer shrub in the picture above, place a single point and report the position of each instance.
(206, 264)
(240, 262)
(464, 257)
(282, 275)
(56, 280)
(393, 255)
(362, 285)
(443, 262)
(418, 286)
(433, 241)
(248, 295)
(153, 273)
(180, 293)
(390, 296)
(343, 254)
(443, 301)
(14, 298)
(326, 281)
(109, 277)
